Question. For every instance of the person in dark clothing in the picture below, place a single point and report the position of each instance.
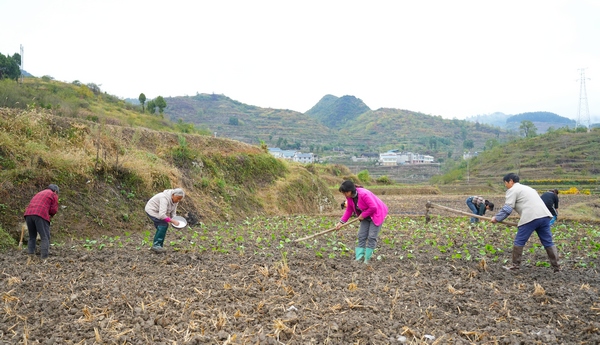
(478, 206)
(551, 200)
(42, 207)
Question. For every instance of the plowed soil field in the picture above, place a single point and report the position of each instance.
(251, 283)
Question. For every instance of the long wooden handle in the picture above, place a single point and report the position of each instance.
(431, 205)
(22, 234)
(324, 232)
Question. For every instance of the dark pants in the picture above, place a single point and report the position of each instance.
(161, 231)
(38, 225)
(541, 226)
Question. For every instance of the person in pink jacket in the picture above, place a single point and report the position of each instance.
(371, 213)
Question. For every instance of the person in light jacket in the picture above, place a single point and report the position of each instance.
(371, 212)
(534, 217)
(161, 208)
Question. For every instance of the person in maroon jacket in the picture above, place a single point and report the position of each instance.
(42, 207)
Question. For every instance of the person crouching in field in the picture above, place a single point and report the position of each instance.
(161, 208)
(478, 206)
(42, 207)
(534, 217)
(550, 199)
(371, 213)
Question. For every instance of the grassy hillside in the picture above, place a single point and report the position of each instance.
(108, 171)
(87, 102)
(558, 157)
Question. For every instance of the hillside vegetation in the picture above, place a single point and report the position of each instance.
(370, 131)
(232, 119)
(559, 157)
(334, 111)
(108, 166)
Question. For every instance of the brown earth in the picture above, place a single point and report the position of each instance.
(124, 294)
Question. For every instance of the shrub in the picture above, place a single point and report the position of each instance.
(385, 180)
(364, 176)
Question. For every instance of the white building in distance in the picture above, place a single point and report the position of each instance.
(393, 157)
(292, 155)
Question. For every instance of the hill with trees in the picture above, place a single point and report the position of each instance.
(563, 154)
(370, 131)
(335, 112)
(542, 120)
(228, 118)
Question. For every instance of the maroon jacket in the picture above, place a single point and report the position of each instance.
(43, 204)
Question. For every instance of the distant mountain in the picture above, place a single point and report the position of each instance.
(251, 124)
(334, 111)
(495, 119)
(542, 120)
(388, 128)
(133, 101)
(355, 129)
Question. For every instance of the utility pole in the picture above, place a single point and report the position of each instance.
(583, 101)
(21, 66)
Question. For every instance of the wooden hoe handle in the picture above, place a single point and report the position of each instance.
(324, 232)
(432, 205)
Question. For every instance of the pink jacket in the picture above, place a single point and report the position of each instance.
(370, 205)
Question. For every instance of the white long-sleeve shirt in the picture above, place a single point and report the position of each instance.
(526, 201)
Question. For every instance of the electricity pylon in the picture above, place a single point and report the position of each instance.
(583, 103)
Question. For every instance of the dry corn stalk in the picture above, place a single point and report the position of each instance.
(454, 291)
(264, 270)
(483, 265)
(14, 280)
(538, 290)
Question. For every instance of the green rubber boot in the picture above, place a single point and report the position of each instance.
(360, 253)
(368, 254)
(159, 238)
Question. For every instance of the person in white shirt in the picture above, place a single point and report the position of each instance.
(534, 217)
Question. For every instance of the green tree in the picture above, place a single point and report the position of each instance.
(527, 129)
(152, 107)
(463, 133)
(9, 66)
(161, 104)
(491, 143)
(142, 99)
(234, 121)
(95, 88)
(468, 144)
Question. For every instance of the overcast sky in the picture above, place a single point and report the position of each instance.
(450, 58)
